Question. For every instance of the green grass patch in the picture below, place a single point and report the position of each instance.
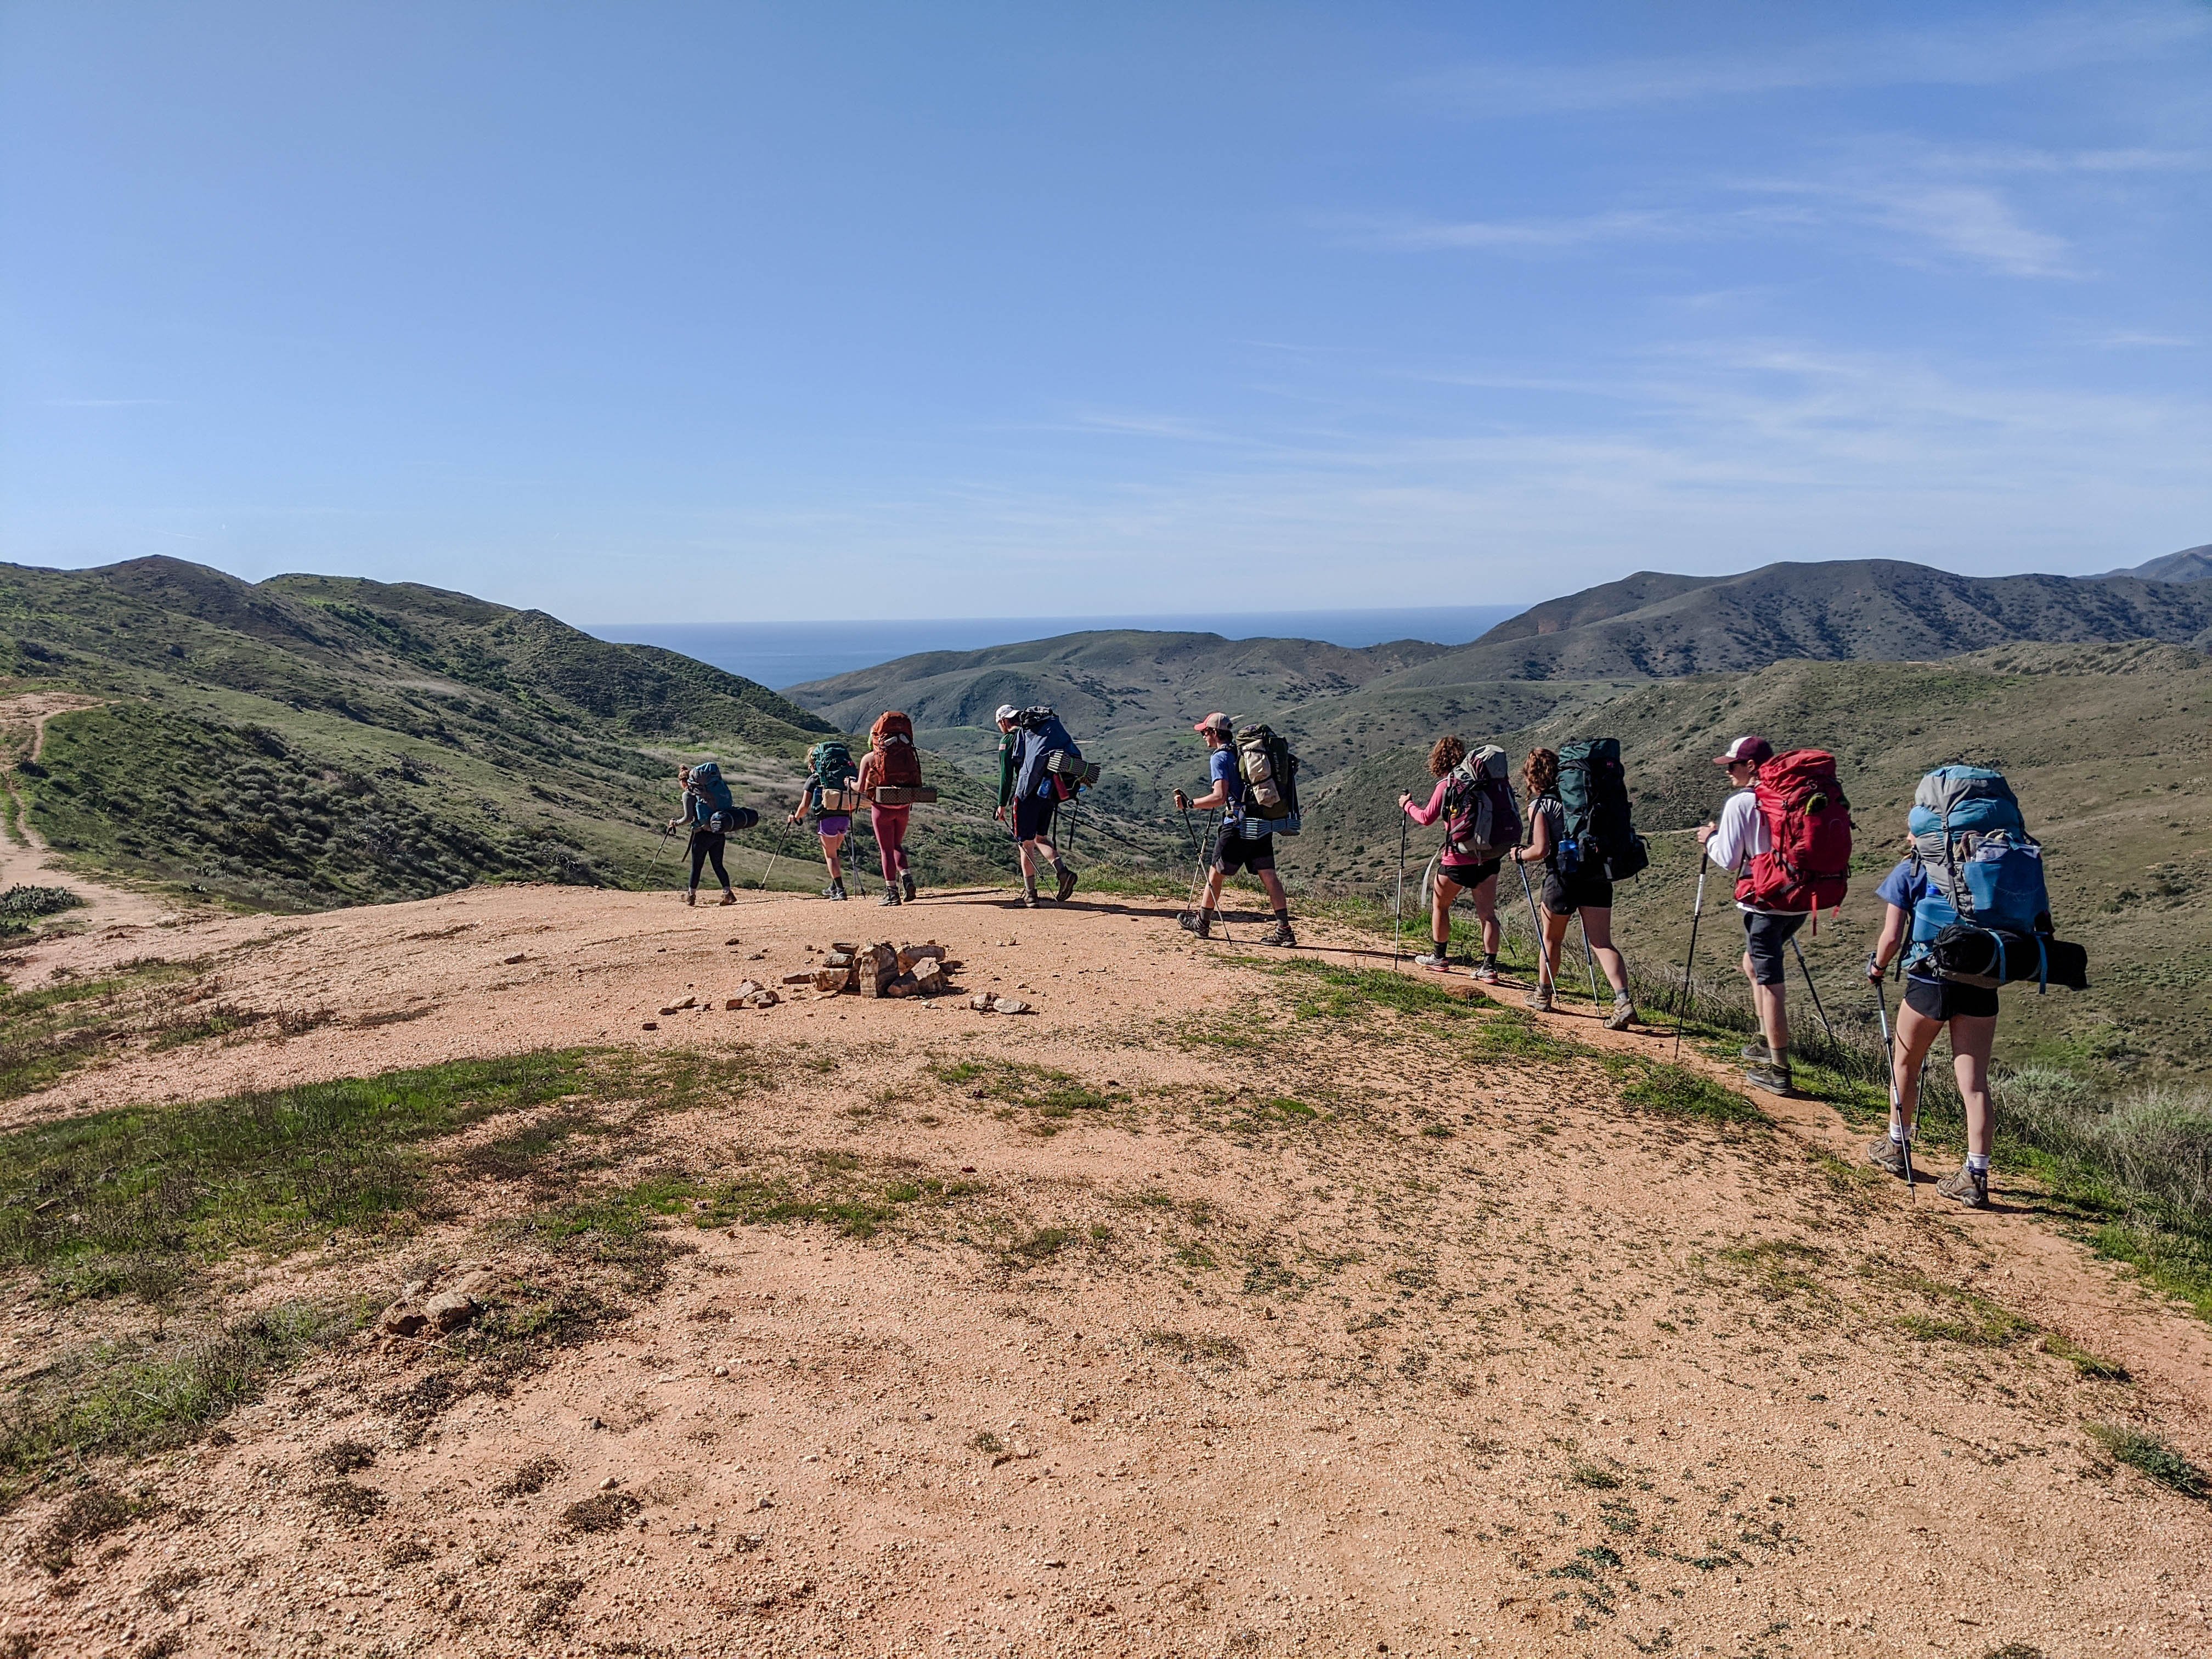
(1669, 1090)
(2153, 1458)
(21, 906)
(48, 1034)
(145, 1395)
(2086, 1363)
(1962, 1316)
(1052, 1095)
(264, 1170)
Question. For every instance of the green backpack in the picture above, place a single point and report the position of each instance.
(829, 766)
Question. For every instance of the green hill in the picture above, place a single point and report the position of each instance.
(313, 740)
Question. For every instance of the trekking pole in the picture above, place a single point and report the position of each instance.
(661, 857)
(1398, 902)
(1889, 1070)
(1543, 951)
(768, 869)
(1697, 910)
(1588, 961)
(1814, 989)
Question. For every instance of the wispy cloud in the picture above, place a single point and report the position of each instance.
(2128, 340)
(2058, 41)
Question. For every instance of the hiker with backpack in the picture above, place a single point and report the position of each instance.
(1582, 846)
(1246, 840)
(1038, 767)
(711, 813)
(1968, 908)
(1785, 835)
(1482, 822)
(893, 767)
(829, 797)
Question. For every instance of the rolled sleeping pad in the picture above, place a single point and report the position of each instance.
(1990, 956)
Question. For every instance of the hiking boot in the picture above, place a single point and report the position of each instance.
(1540, 1000)
(1623, 1014)
(1485, 971)
(890, 896)
(1774, 1079)
(1201, 923)
(907, 882)
(1969, 1187)
(1756, 1053)
(1439, 960)
(1280, 934)
(836, 889)
(1067, 885)
(729, 895)
(1886, 1155)
(1029, 898)
(691, 896)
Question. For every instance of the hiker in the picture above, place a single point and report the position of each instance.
(1571, 885)
(1931, 1005)
(1476, 834)
(1028, 789)
(707, 837)
(1235, 845)
(891, 761)
(830, 773)
(1785, 835)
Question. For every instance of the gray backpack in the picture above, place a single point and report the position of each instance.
(1481, 818)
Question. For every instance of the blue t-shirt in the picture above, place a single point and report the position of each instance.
(1223, 764)
(1905, 887)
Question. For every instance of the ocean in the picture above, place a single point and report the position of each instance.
(783, 654)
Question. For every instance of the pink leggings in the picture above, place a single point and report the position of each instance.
(891, 839)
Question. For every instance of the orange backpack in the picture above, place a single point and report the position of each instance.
(893, 736)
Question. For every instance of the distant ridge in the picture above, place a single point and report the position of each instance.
(2191, 564)
(1658, 626)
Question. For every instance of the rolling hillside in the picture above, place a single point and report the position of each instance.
(309, 740)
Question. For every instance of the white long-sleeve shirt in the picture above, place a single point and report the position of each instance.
(1739, 837)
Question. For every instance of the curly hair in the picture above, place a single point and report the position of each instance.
(1541, 772)
(1448, 752)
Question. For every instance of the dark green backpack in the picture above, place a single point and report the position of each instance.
(829, 766)
(1600, 840)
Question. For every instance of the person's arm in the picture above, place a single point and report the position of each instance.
(1894, 923)
(1005, 771)
(1729, 844)
(1426, 815)
(1217, 796)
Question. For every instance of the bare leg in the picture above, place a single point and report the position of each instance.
(831, 844)
(1555, 934)
(1485, 911)
(1598, 924)
(1971, 1035)
(1916, 1036)
(1273, 883)
(1447, 895)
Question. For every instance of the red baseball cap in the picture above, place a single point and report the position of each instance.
(1213, 723)
(1753, 751)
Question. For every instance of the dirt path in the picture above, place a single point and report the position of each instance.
(1278, 1324)
(29, 862)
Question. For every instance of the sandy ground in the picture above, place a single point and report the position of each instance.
(1473, 1359)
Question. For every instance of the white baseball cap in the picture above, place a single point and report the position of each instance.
(1006, 712)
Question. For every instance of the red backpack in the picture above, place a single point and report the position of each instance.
(893, 732)
(1809, 823)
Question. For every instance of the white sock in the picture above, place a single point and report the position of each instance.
(1978, 1162)
(1896, 1135)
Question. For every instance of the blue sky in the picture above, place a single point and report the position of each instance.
(661, 312)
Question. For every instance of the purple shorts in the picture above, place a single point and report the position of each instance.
(833, 823)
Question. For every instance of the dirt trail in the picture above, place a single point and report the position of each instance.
(29, 862)
(1277, 1325)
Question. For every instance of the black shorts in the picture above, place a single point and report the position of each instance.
(1468, 875)
(1033, 816)
(1232, 850)
(1944, 1000)
(1764, 936)
(1583, 891)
